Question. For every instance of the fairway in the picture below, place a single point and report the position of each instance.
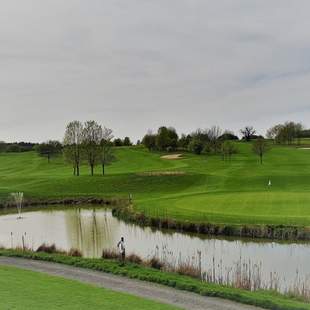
(21, 289)
(192, 187)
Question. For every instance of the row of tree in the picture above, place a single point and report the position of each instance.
(16, 147)
(209, 141)
(90, 142)
(287, 133)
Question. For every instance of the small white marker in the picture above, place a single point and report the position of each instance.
(269, 183)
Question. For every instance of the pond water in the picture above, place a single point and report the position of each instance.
(92, 230)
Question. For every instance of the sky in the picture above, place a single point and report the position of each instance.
(135, 65)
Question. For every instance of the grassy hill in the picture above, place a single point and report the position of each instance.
(195, 188)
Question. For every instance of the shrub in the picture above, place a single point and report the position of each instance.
(110, 254)
(135, 259)
(47, 248)
(154, 262)
(75, 253)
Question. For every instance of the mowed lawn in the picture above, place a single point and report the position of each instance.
(208, 188)
(22, 289)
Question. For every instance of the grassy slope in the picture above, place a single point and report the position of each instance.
(211, 190)
(21, 289)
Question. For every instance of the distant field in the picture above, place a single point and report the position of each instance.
(21, 289)
(196, 188)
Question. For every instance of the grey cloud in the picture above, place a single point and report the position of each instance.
(135, 65)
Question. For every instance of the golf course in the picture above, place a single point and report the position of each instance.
(187, 187)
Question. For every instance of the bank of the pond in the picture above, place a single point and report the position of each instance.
(74, 201)
(128, 213)
(264, 299)
(123, 209)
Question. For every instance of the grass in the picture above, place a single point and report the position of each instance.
(211, 190)
(23, 289)
(264, 299)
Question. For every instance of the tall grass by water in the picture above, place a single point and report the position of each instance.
(242, 274)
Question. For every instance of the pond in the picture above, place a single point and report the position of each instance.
(93, 229)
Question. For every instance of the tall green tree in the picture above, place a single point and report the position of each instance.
(3, 147)
(73, 145)
(118, 142)
(92, 133)
(49, 149)
(196, 145)
(166, 139)
(127, 141)
(149, 141)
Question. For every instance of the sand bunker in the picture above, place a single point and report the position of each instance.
(304, 148)
(172, 156)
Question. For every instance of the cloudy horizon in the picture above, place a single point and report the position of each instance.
(136, 65)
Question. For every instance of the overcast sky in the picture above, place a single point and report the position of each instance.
(134, 65)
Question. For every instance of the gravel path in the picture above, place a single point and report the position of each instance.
(147, 290)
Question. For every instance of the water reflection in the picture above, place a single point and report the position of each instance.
(92, 230)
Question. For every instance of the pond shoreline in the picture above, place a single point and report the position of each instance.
(67, 201)
(123, 209)
(270, 232)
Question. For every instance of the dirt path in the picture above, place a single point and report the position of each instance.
(147, 290)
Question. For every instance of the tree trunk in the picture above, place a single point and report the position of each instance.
(77, 170)
(74, 170)
(261, 159)
(92, 170)
(48, 158)
(103, 170)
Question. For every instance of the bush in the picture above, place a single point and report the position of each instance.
(75, 253)
(135, 259)
(47, 248)
(154, 262)
(110, 254)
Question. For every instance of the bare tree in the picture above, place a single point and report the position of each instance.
(214, 142)
(286, 133)
(73, 145)
(260, 147)
(228, 149)
(106, 148)
(273, 132)
(247, 132)
(92, 133)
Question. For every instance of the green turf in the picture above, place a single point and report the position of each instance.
(21, 289)
(231, 192)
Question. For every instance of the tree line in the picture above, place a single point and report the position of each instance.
(211, 141)
(87, 142)
(287, 133)
(92, 143)
(16, 147)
